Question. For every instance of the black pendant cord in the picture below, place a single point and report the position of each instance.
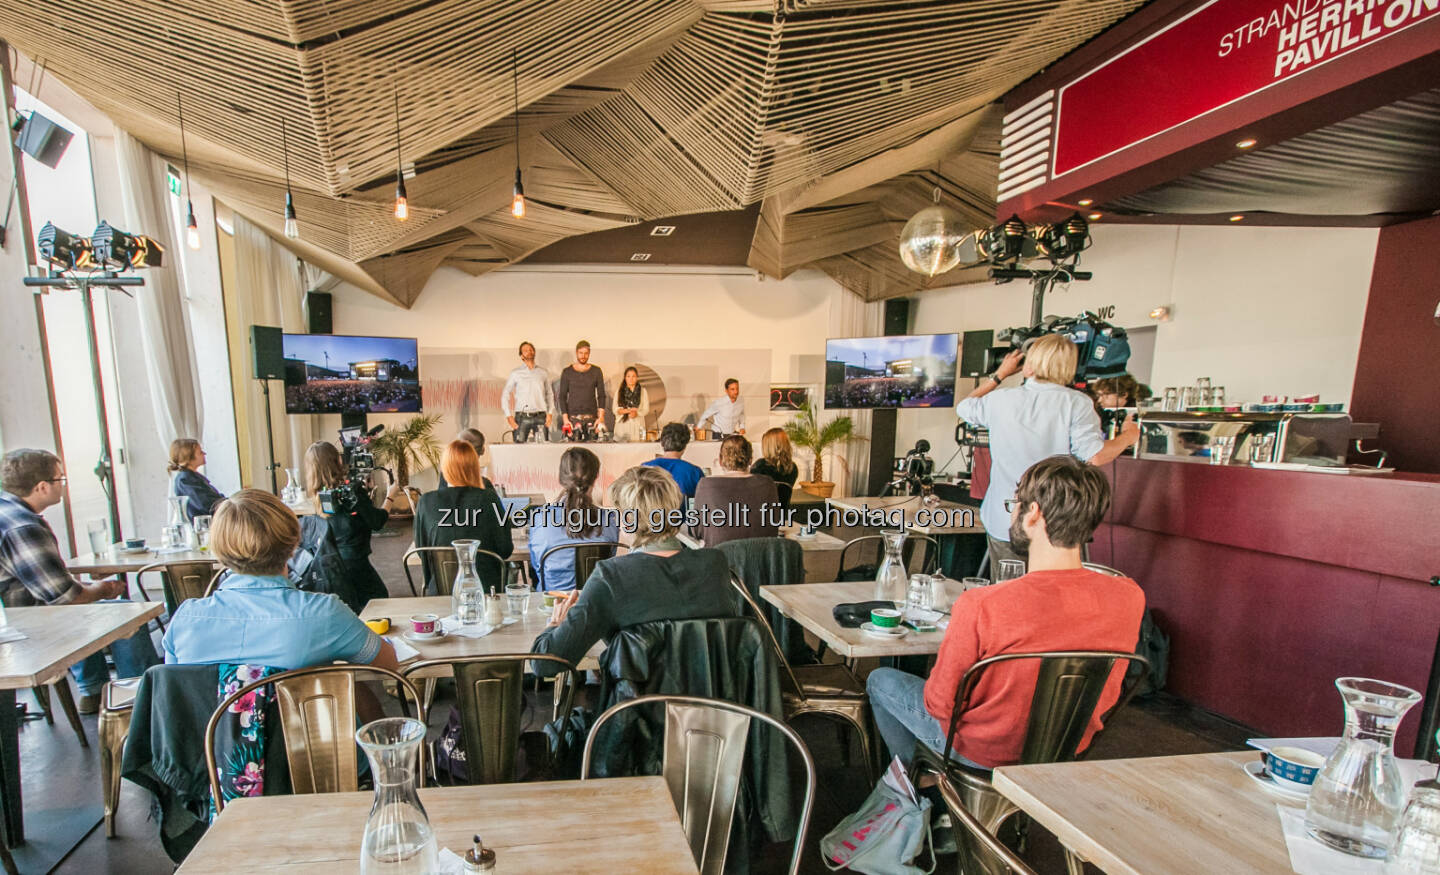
(285, 149)
(515, 80)
(399, 164)
(184, 151)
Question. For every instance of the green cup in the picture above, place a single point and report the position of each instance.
(885, 618)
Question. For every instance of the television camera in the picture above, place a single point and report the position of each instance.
(1103, 349)
(914, 472)
(360, 467)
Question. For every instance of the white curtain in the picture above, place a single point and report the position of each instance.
(270, 288)
(852, 316)
(164, 330)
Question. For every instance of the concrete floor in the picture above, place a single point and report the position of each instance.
(58, 773)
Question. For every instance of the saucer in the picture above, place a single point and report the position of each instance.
(421, 639)
(880, 632)
(133, 551)
(1256, 770)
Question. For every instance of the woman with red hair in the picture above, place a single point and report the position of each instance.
(466, 508)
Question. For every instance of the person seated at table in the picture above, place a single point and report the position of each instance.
(749, 503)
(659, 579)
(355, 516)
(32, 571)
(201, 497)
(476, 439)
(777, 463)
(1056, 605)
(257, 617)
(674, 437)
(468, 508)
(573, 518)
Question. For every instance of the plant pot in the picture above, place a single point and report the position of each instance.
(818, 488)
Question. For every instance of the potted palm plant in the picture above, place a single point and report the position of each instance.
(412, 443)
(806, 431)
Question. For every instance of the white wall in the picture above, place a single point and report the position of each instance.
(1260, 311)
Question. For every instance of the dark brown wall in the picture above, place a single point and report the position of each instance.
(1397, 377)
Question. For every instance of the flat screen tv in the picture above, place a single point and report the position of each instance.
(901, 371)
(337, 373)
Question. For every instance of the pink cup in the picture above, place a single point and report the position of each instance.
(424, 624)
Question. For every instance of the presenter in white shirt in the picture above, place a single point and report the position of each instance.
(728, 413)
(526, 398)
(1040, 418)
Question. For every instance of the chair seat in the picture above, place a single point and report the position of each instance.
(829, 679)
(120, 694)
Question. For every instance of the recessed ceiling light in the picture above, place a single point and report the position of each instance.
(1247, 143)
(1086, 202)
(1237, 218)
(640, 256)
(662, 230)
(1094, 217)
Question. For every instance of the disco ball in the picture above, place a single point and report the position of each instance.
(931, 240)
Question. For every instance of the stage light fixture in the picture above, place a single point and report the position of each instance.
(1007, 242)
(63, 250)
(1065, 240)
(116, 250)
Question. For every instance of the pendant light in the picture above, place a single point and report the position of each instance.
(517, 203)
(402, 205)
(292, 227)
(192, 228)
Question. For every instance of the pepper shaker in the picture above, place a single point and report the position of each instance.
(479, 858)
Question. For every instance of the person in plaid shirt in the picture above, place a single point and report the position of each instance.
(32, 571)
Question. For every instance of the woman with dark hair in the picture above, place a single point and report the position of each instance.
(186, 457)
(749, 504)
(632, 405)
(573, 518)
(353, 517)
(777, 463)
(468, 508)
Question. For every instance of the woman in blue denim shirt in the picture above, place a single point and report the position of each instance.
(574, 518)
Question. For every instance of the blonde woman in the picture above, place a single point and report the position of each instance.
(1040, 418)
(777, 463)
(355, 516)
(632, 405)
(186, 457)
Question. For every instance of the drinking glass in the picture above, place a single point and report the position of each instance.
(99, 532)
(1009, 570)
(918, 596)
(202, 531)
(1222, 449)
(1417, 842)
(972, 582)
(517, 599)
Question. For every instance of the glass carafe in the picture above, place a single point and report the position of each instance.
(891, 580)
(1355, 804)
(292, 493)
(176, 535)
(467, 595)
(398, 838)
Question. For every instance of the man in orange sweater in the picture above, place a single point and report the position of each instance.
(1057, 605)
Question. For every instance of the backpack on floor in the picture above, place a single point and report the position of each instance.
(1154, 645)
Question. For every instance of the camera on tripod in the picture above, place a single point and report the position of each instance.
(1103, 349)
(914, 473)
(359, 465)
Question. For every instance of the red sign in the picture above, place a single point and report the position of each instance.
(1222, 52)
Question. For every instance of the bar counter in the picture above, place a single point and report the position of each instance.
(1271, 584)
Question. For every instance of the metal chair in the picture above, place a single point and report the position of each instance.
(1067, 691)
(490, 696)
(588, 554)
(704, 755)
(931, 554)
(317, 715)
(443, 565)
(972, 827)
(1102, 569)
(823, 689)
(215, 582)
(117, 704)
(179, 581)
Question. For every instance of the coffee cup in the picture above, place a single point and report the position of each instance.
(134, 543)
(1294, 767)
(424, 625)
(885, 618)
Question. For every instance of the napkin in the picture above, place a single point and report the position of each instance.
(10, 633)
(403, 652)
(1309, 856)
(447, 862)
(451, 625)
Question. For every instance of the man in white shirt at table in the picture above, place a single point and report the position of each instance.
(728, 413)
(526, 398)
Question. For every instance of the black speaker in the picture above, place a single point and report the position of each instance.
(882, 449)
(317, 312)
(972, 352)
(897, 316)
(42, 139)
(267, 352)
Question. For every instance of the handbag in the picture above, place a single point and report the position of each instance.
(886, 834)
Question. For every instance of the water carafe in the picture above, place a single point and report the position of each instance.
(1355, 803)
(891, 579)
(293, 492)
(176, 534)
(398, 839)
(467, 596)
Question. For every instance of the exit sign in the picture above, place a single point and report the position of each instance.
(172, 176)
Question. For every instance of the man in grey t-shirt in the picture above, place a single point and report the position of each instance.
(582, 393)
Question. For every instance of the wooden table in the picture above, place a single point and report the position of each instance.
(115, 562)
(822, 551)
(57, 638)
(810, 604)
(1181, 814)
(513, 638)
(611, 825)
(946, 518)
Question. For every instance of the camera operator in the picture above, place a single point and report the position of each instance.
(345, 505)
(1042, 417)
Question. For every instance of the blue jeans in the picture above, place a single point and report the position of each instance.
(132, 656)
(897, 699)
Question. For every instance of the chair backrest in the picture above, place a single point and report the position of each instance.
(788, 682)
(443, 564)
(977, 832)
(931, 555)
(1102, 569)
(1067, 690)
(588, 554)
(215, 581)
(704, 755)
(490, 695)
(317, 715)
(181, 580)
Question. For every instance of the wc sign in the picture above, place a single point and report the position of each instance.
(1107, 312)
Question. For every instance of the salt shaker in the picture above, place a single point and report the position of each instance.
(494, 610)
(480, 858)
